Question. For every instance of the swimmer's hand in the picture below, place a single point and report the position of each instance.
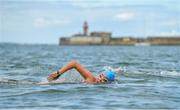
(53, 76)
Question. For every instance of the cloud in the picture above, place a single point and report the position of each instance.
(170, 33)
(125, 16)
(103, 3)
(42, 22)
(171, 23)
(92, 3)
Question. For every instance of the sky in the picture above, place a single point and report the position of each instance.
(45, 21)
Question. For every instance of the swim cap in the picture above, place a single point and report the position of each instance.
(110, 75)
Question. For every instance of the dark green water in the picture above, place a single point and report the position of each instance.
(147, 77)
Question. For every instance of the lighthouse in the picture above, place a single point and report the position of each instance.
(85, 28)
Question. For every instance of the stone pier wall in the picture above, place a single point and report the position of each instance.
(96, 40)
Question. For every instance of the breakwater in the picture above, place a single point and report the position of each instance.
(108, 40)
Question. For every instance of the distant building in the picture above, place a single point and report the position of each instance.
(94, 38)
(85, 28)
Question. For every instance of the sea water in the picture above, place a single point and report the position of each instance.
(147, 77)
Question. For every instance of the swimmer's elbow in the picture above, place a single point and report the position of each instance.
(74, 62)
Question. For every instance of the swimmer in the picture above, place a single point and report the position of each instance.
(108, 76)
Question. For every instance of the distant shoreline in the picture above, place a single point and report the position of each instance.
(125, 41)
(26, 44)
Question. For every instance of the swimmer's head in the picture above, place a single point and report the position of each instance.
(107, 76)
(110, 75)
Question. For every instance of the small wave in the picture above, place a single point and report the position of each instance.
(162, 73)
(168, 73)
(56, 82)
(15, 82)
(49, 91)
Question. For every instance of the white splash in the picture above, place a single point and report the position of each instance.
(116, 70)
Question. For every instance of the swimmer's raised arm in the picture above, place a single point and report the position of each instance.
(85, 73)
